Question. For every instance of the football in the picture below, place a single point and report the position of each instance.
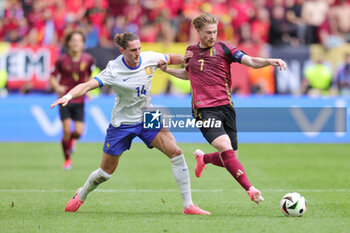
(293, 204)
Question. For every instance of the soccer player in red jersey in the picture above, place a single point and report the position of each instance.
(71, 69)
(208, 70)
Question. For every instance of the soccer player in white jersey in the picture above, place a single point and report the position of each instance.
(130, 76)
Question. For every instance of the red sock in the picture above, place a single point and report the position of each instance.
(233, 165)
(66, 149)
(213, 158)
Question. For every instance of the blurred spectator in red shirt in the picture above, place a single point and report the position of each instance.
(11, 33)
(23, 27)
(97, 10)
(116, 7)
(13, 10)
(182, 27)
(60, 17)
(75, 9)
(106, 37)
(175, 7)
(260, 26)
(340, 20)
(2, 29)
(242, 12)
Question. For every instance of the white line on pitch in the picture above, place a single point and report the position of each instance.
(166, 190)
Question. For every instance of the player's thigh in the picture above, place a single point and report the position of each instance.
(65, 112)
(109, 162)
(118, 139)
(166, 143)
(212, 133)
(66, 124)
(77, 111)
(230, 126)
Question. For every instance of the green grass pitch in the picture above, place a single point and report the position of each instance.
(142, 195)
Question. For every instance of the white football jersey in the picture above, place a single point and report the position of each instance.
(132, 86)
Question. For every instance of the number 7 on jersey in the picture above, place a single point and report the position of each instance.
(202, 63)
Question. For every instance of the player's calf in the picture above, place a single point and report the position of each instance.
(96, 177)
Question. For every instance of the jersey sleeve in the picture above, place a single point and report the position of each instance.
(56, 69)
(105, 77)
(158, 56)
(188, 59)
(237, 54)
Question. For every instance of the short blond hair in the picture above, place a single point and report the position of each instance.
(204, 19)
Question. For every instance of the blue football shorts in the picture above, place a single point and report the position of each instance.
(118, 139)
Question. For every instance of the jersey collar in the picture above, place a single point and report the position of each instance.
(206, 48)
(131, 68)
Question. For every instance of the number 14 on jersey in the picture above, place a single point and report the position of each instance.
(141, 91)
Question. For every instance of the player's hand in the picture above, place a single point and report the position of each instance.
(188, 55)
(163, 65)
(64, 101)
(89, 96)
(280, 63)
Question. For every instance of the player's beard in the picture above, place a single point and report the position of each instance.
(210, 43)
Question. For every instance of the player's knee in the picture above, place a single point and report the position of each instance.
(178, 151)
(174, 153)
(223, 147)
(77, 135)
(66, 136)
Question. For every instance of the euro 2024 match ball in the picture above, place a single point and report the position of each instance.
(293, 205)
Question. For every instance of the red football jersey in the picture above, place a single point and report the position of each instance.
(70, 73)
(209, 72)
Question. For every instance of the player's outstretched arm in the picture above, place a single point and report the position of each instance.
(175, 59)
(259, 62)
(178, 73)
(77, 91)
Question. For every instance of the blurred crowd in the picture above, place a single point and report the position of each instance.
(277, 22)
(241, 22)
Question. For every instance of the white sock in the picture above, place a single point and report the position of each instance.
(182, 177)
(96, 177)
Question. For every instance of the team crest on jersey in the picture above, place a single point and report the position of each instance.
(149, 70)
(82, 66)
